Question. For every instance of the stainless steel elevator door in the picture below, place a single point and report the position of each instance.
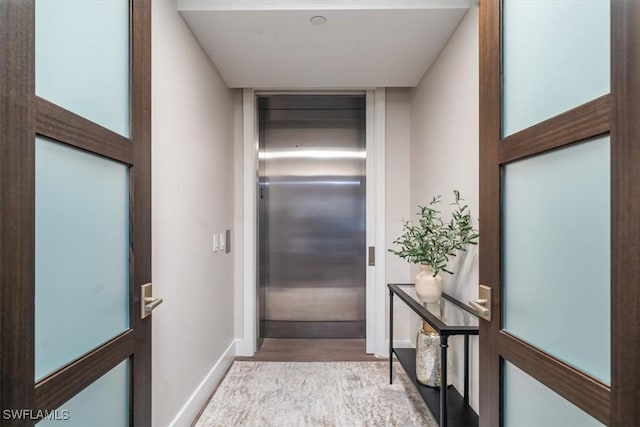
(312, 216)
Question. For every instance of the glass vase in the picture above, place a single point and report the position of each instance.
(428, 358)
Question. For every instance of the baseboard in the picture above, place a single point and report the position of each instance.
(245, 347)
(397, 344)
(199, 397)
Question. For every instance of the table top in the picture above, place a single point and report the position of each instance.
(448, 316)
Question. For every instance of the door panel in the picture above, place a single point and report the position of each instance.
(75, 211)
(556, 57)
(103, 403)
(82, 253)
(528, 403)
(82, 55)
(556, 254)
(556, 198)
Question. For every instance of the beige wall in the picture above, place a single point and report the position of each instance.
(192, 125)
(398, 198)
(444, 155)
(238, 217)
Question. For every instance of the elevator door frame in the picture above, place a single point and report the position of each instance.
(375, 220)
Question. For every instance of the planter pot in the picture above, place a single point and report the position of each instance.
(428, 288)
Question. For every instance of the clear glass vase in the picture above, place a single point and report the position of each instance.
(428, 358)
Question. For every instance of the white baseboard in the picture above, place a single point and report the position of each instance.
(199, 397)
(396, 344)
(244, 347)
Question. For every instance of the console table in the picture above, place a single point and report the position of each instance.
(448, 317)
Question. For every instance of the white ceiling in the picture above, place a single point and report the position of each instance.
(364, 43)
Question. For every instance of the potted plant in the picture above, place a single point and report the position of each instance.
(432, 242)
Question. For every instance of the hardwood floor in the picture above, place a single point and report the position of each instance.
(312, 350)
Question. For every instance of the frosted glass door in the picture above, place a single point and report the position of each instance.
(76, 238)
(548, 202)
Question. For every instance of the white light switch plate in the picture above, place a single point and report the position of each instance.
(216, 242)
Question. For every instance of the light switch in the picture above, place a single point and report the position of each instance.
(227, 241)
(222, 242)
(216, 242)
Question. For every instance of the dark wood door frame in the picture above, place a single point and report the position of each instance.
(625, 193)
(23, 116)
(17, 208)
(616, 113)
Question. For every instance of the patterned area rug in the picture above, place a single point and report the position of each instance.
(297, 394)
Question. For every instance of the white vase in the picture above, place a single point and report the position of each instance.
(428, 287)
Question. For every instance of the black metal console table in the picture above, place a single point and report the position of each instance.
(448, 317)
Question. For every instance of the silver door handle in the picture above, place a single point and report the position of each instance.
(480, 306)
(483, 304)
(151, 303)
(372, 256)
(147, 301)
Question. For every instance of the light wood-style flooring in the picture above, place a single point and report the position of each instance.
(312, 350)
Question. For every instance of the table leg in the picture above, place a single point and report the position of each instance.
(466, 369)
(390, 337)
(443, 380)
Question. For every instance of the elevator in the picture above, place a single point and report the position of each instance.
(311, 216)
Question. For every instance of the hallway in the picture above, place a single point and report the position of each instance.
(172, 205)
(204, 183)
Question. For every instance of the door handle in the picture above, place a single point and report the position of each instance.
(147, 301)
(483, 304)
(151, 303)
(480, 306)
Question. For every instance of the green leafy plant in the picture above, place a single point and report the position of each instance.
(433, 241)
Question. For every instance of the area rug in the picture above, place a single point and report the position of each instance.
(313, 394)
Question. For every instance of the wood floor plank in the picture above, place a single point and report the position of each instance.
(312, 350)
